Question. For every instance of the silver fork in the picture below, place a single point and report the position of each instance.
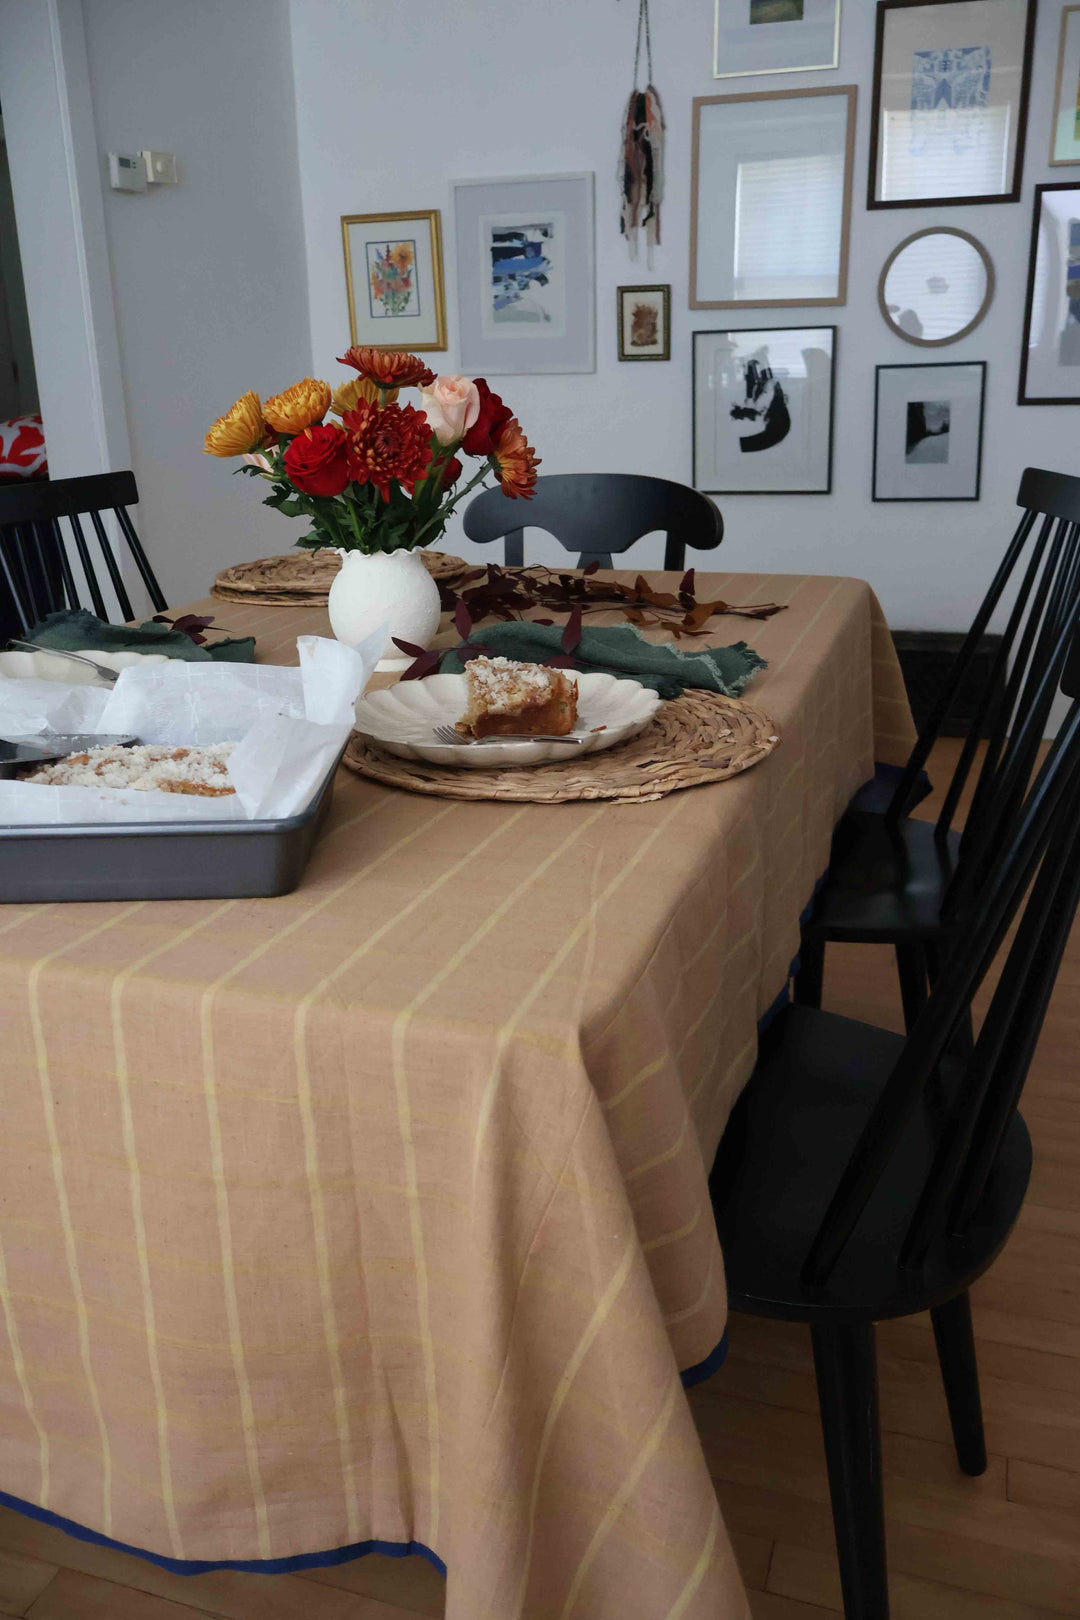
(106, 674)
(447, 734)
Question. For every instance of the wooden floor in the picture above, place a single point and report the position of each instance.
(1003, 1547)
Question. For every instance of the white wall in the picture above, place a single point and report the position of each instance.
(209, 278)
(395, 101)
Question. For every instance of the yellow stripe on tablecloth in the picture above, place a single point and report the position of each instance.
(135, 1186)
(775, 668)
(19, 1365)
(307, 1118)
(24, 916)
(401, 1024)
(697, 1575)
(544, 979)
(558, 1399)
(674, 1317)
(615, 1509)
(236, 1346)
(56, 1155)
(671, 1237)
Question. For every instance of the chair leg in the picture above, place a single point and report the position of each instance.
(960, 1375)
(846, 1367)
(810, 979)
(911, 968)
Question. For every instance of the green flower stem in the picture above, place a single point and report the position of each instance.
(444, 511)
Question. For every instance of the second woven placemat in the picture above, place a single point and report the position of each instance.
(697, 738)
(300, 578)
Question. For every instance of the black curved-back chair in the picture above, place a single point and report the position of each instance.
(36, 572)
(866, 1175)
(899, 881)
(598, 515)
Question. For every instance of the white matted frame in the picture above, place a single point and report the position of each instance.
(526, 276)
(1050, 348)
(775, 36)
(928, 431)
(763, 410)
(770, 203)
(1065, 129)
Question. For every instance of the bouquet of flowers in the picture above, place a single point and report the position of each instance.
(384, 477)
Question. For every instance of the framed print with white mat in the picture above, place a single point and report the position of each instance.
(763, 410)
(928, 431)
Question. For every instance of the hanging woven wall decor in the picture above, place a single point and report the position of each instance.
(641, 161)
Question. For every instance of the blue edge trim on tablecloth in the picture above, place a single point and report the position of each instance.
(874, 795)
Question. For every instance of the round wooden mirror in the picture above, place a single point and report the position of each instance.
(936, 286)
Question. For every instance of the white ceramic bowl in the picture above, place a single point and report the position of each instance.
(401, 719)
(44, 666)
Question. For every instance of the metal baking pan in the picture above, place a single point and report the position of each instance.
(190, 860)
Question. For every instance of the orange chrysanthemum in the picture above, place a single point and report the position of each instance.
(239, 431)
(388, 370)
(385, 444)
(299, 407)
(515, 460)
(350, 394)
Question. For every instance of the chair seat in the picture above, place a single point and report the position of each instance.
(886, 882)
(788, 1142)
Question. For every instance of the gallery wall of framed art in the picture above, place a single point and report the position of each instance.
(484, 114)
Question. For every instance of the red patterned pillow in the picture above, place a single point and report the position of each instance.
(22, 448)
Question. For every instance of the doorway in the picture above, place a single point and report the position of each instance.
(18, 382)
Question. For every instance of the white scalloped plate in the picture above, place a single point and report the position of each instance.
(401, 719)
(44, 666)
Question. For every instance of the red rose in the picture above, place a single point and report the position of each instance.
(452, 471)
(480, 439)
(316, 460)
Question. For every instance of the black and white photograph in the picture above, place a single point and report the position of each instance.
(928, 423)
(763, 410)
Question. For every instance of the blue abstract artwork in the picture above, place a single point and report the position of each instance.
(1069, 351)
(956, 77)
(521, 270)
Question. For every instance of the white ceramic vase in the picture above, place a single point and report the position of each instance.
(394, 587)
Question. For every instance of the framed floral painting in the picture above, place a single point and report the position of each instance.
(394, 277)
(644, 323)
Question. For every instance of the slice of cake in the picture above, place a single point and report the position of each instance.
(508, 699)
(149, 767)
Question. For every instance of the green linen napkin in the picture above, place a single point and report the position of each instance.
(621, 650)
(76, 630)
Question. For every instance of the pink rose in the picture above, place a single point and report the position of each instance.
(451, 405)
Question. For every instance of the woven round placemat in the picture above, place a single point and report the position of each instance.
(699, 737)
(304, 577)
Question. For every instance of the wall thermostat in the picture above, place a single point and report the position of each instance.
(127, 171)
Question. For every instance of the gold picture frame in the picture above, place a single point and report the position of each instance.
(402, 276)
(845, 97)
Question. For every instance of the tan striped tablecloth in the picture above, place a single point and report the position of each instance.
(379, 1211)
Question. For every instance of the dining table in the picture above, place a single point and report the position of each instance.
(376, 1215)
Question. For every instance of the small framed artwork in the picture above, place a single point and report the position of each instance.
(1050, 352)
(775, 36)
(770, 201)
(1065, 129)
(763, 410)
(526, 292)
(644, 323)
(394, 277)
(951, 84)
(928, 431)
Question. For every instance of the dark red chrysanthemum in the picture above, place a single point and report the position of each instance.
(393, 443)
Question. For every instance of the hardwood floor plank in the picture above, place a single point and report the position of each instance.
(412, 1583)
(22, 1579)
(814, 1577)
(767, 1606)
(753, 1555)
(1039, 1486)
(70, 1596)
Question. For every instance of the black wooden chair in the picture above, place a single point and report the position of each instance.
(866, 1175)
(598, 514)
(898, 881)
(36, 573)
